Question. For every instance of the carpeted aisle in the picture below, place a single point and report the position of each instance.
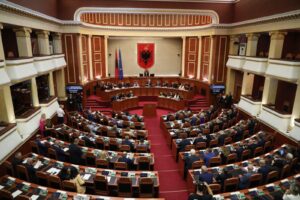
(172, 186)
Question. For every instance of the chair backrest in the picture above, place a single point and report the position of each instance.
(272, 176)
(69, 186)
(81, 142)
(213, 143)
(258, 151)
(124, 147)
(231, 158)
(255, 180)
(22, 197)
(267, 146)
(102, 163)
(231, 184)
(54, 181)
(245, 154)
(90, 159)
(216, 188)
(189, 147)
(120, 166)
(6, 195)
(141, 135)
(99, 143)
(34, 146)
(197, 164)
(113, 145)
(101, 185)
(182, 135)
(42, 178)
(124, 187)
(193, 133)
(141, 149)
(112, 133)
(52, 153)
(22, 172)
(227, 140)
(214, 161)
(285, 171)
(9, 168)
(146, 187)
(246, 134)
(143, 163)
(201, 145)
(216, 128)
(206, 131)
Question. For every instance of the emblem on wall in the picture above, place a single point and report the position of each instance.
(145, 55)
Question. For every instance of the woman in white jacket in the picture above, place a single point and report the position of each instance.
(293, 193)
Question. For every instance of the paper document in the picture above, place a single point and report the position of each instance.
(86, 177)
(16, 193)
(38, 164)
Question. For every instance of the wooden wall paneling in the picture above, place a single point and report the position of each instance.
(98, 56)
(71, 53)
(220, 56)
(191, 56)
(204, 65)
(238, 82)
(285, 95)
(85, 56)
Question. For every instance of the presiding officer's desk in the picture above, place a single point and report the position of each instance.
(125, 104)
(235, 168)
(112, 156)
(53, 167)
(17, 186)
(66, 133)
(170, 103)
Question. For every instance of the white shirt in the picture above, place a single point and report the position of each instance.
(290, 197)
(60, 112)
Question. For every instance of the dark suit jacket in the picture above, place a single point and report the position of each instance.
(126, 160)
(16, 162)
(183, 143)
(207, 177)
(127, 142)
(75, 154)
(199, 139)
(264, 171)
(59, 152)
(190, 160)
(43, 149)
(31, 173)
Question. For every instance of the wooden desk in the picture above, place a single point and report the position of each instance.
(170, 103)
(149, 110)
(125, 104)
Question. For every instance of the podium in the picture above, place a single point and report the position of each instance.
(149, 110)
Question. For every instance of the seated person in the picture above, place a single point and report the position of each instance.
(42, 148)
(223, 176)
(79, 182)
(263, 169)
(184, 142)
(244, 180)
(67, 173)
(31, 170)
(191, 159)
(75, 152)
(208, 155)
(59, 151)
(124, 158)
(136, 84)
(204, 192)
(126, 141)
(293, 193)
(206, 176)
(17, 160)
(146, 72)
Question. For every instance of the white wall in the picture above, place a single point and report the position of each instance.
(167, 59)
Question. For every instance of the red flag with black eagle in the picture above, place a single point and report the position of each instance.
(145, 55)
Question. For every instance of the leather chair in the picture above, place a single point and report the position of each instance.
(102, 164)
(120, 166)
(141, 149)
(146, 188)
(201, 145)
(124, 187)
(258, 151)
(246, 134)
(228, 140)
(213, 143)
(216, 188)
(81, 142)
(90, 159)
(272, 177)
(231, 184)
(189, 147)
(34, 147)
(54, 181)
(101, 185)
(112, 133)
(255, 180)
(52, 154)
(231, 158)
(69, 186)
(216, 128)
(138, 126)
(285, 171)
(206, 131)
(214, 161)
(5, 195)
(42, 178)
(141, 135)
(9, 168)
(124, 147)
(22, 197)
(22, 172)
(193, 133)
(198, 164)
(182, 135)
(245, 155)
(143, 163)
(99, 143)
(268, 146)
(113, 145)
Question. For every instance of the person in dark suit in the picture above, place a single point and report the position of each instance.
(75, 152)
(43, 148)
(31, 170)
(88, 142)
(244, 180)
(264, 169)
(126, 141)
(59, 152)
(206, 176)
(146, 73)
(17, 160)
(125, 159)
(208, 155)
(190, 160)
(223, 176)
(183, 143)
(199, 139)
(204, 192)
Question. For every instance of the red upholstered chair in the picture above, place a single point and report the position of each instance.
(69, 186)
(124, 187)
(201, 145)
(216, 188)
(146, 188)
(231, 184)
(214, 161)
(101, 185)
(255, 180)
(272, 176)
(54, 181)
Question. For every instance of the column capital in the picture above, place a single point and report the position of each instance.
(212, 36)
(252, 36)
(199, 37)
(277, 34)
(56, 36)
(106, 37)
(22, 32)
(234, 38)
(183, 37)
(43, 34)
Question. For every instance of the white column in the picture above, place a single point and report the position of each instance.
(81, 70)
(7, 112)
(210, 66)
(270, 91)
(24, 41)
(61, 85)
(51, 84)
(2, 56)
(57, 44)
(183, 56)
(90, 57)
(199, 57)
(43, 42)
(252, 40)
(233, 45)
(106, 55)
(34, 93)
(276, 44)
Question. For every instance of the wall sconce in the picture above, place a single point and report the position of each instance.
(109, 54)
(98, 77)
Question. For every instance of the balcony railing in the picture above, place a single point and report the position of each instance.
(4, 79)
(255, 65)
(249, 105)
(50, 107)
(275, 118)
(283, 69)
(235, 62)
(296, 130)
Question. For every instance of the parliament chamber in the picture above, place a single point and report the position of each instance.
(149, 99)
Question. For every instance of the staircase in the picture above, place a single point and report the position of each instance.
(198, 103)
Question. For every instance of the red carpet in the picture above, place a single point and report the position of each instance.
(172, 186)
